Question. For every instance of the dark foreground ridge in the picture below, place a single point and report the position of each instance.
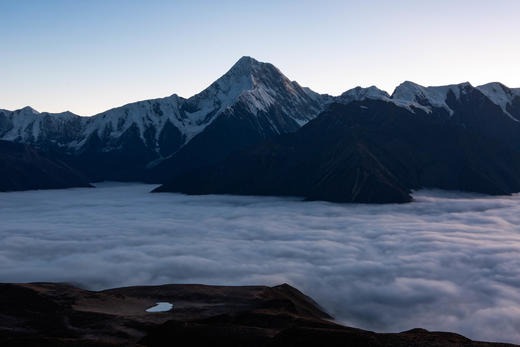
(49, 314)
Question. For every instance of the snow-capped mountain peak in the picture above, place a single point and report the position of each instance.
(26, 110)
(243, 82)
(225, 90)
(247, 66)
(259, 86)
(429, 96)
(359, 93)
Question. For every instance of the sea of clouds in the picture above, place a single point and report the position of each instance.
(448, 261)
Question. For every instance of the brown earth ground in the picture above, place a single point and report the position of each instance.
(50, 314)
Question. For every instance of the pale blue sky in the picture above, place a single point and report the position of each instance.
(88, 56)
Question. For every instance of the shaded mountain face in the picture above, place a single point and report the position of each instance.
(264, 104)
(49, 314)
(376, 151)
(252, 100)
(24, 168)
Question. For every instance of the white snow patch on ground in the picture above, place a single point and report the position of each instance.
(160, 307)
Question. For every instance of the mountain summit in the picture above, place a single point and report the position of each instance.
(250, 102)
(253, 101)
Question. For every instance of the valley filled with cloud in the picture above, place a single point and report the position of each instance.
(447, 261)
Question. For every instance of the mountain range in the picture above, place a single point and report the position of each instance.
(253, 131)
(146, 139)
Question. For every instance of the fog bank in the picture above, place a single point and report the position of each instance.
(448, 261)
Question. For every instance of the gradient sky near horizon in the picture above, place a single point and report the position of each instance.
(89, 56)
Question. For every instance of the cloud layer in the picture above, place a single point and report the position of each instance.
(448, 261)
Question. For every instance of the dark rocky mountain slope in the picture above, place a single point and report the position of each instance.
(375, 151)
(24, 168)
(47, 314)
